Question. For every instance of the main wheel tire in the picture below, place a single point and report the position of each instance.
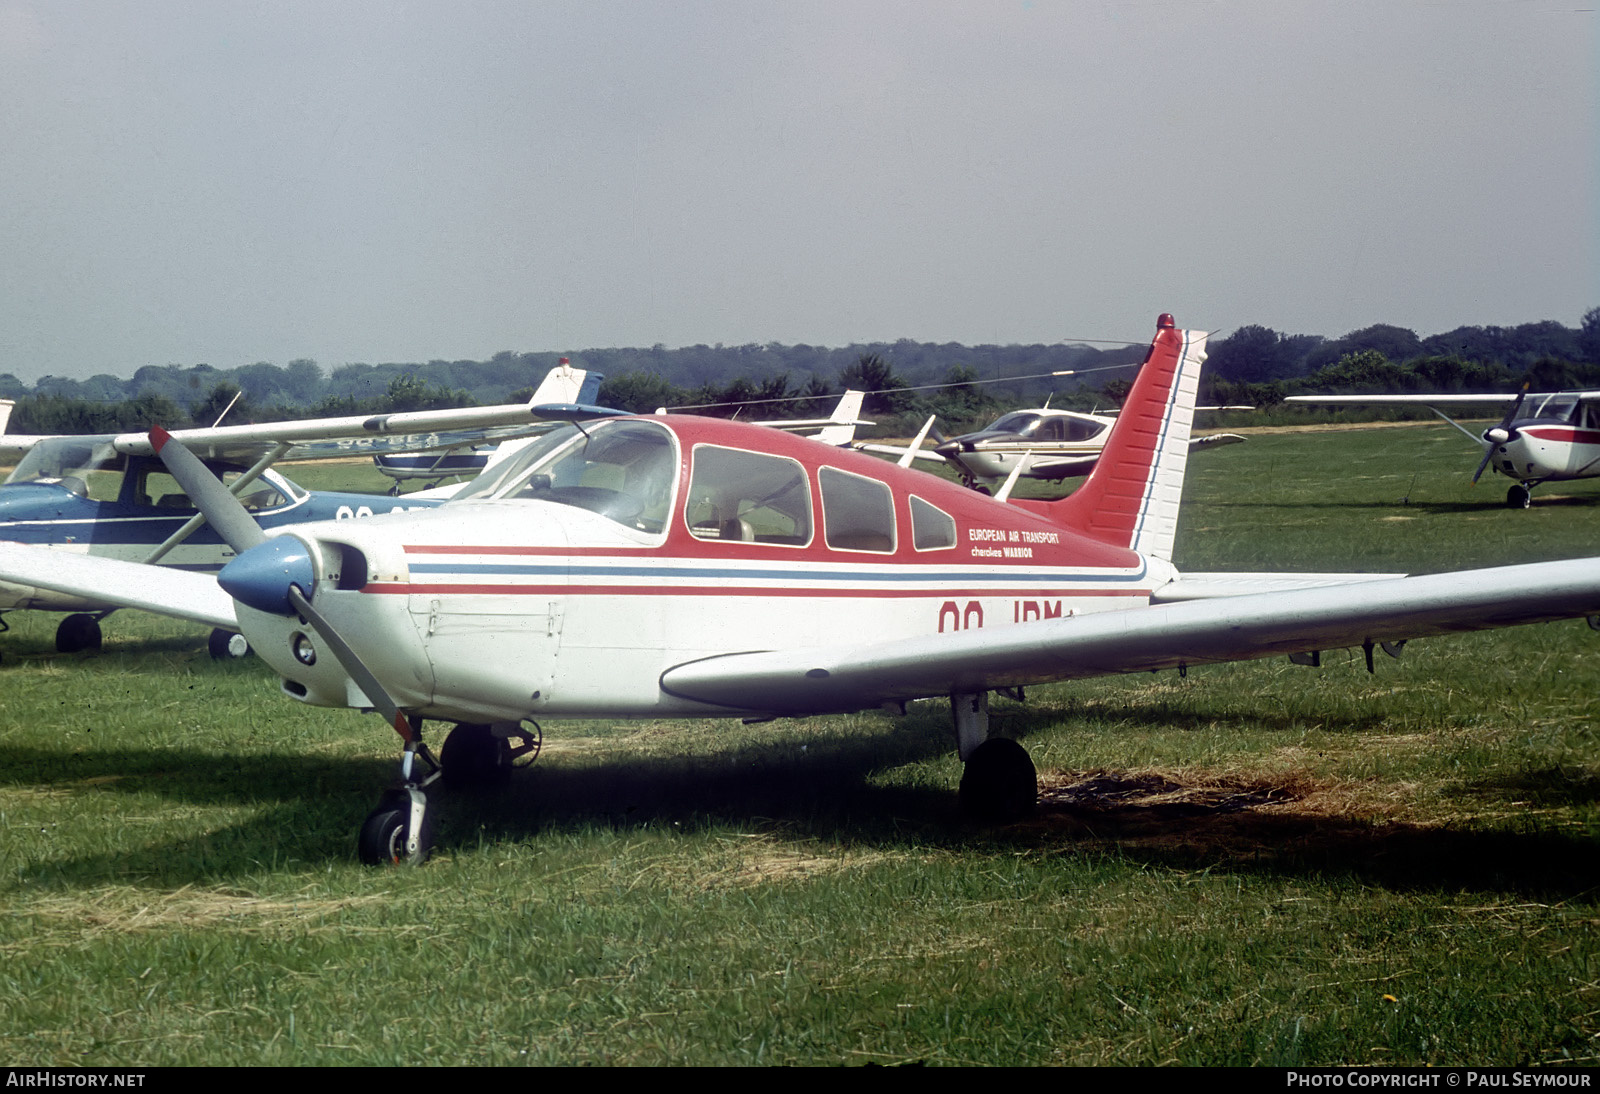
(1519, 497)
(473, 757)
(384, 835)
(1000, 783)
(227, 645)
(78, 632)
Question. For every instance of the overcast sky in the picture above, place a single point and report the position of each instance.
(231, 182)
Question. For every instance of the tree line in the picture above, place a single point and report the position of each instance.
(963, 385)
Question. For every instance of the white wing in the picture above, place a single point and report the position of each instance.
(842, 678)
(159, 589)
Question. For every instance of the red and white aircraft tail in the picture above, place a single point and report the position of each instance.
(1131, 498)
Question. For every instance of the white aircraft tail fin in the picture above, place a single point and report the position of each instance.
(1131, 498)
(5, 413)
(562, 384)
(841, 429)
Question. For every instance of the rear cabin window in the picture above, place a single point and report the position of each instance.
(748, 497)
(857, 512)
(931, 527)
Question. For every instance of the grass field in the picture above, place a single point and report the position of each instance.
(1255, 864)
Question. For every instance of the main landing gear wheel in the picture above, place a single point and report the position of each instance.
(473, 757)
(1519, 497)
(1000, 783)
(386, 834)
(477, 756)
(78, 632)
(227, 645)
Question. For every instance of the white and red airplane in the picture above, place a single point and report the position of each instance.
(666, 566)
(1558, 441)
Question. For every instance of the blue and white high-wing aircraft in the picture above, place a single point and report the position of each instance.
(665, 566)
(109, 496)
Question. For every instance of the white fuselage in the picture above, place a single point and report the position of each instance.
(503, 610)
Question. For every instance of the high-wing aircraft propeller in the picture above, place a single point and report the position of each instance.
(1501, 433)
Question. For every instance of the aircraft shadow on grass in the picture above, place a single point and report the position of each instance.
(822, 787)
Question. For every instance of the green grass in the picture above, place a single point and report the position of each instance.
(1256, 864)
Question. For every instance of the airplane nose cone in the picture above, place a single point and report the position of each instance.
(260, 578)
(1497, 435)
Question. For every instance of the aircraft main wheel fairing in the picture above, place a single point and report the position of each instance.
(227, 645)
(1000, 783)
(1519, 497)
(385, 833)
(472, 756)
(78, 632)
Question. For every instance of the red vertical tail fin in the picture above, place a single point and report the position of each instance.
(1131, 498)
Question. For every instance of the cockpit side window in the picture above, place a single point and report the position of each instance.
(931, 527)
(1082, 429)
(748, 497)
(857, 512)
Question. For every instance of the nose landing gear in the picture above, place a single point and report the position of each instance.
(474, 756)
(400, 830)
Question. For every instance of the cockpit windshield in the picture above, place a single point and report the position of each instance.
(623, 470)
(88, 466)
(1018, 421)
(1562, 407)
(91, 468)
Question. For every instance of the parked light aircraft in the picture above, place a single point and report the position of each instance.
(108, 496)
(1558, 441)
(1047, 444)
(1044, 444)
(665, 566)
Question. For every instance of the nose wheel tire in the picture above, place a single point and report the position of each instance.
(999, 784)
(1519, 497)
(386, 834)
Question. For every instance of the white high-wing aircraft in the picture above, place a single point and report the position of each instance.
(674, 566)
(1558, 441)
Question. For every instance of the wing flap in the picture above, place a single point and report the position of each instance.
(832, 679)
(160, 589)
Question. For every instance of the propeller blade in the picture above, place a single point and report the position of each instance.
(352, 664)
(222, 510)
(1502, 432)
(1487, 453)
